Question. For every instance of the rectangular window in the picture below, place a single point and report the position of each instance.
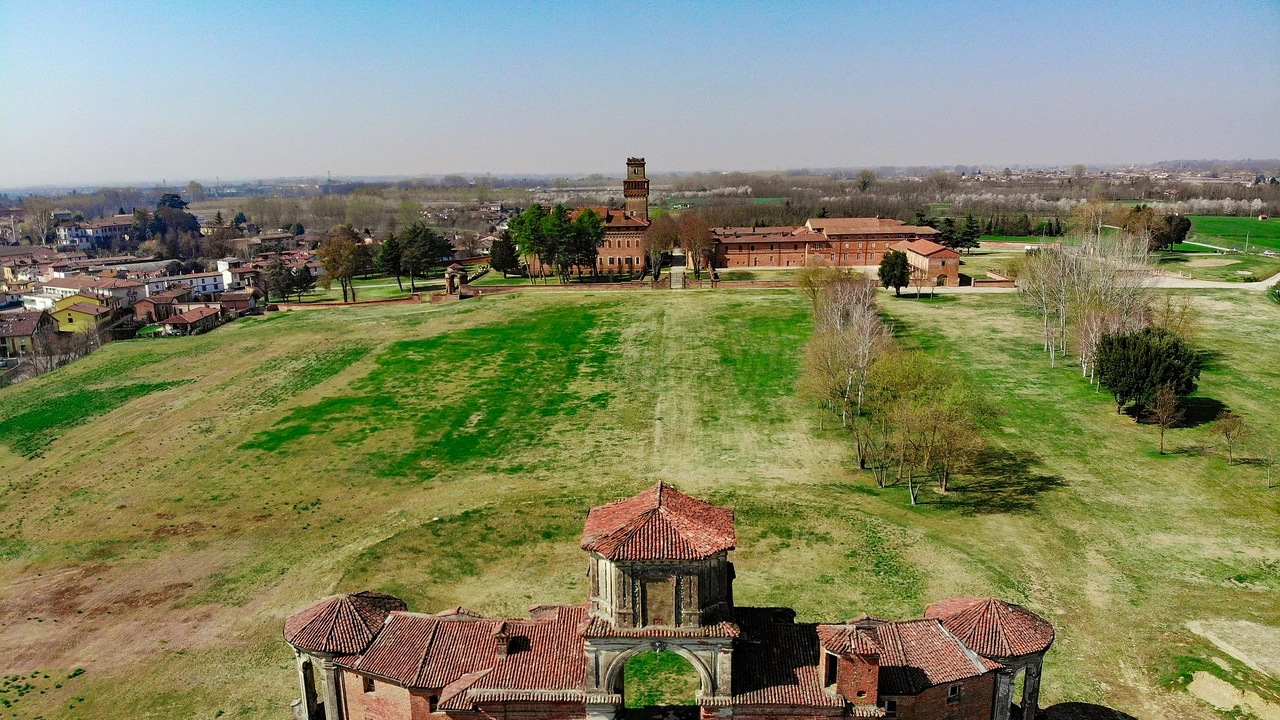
(433, 703)
(832, 669)
(953, 693)
(890, 708)
(368, 685)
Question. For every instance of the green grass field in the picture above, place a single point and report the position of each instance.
(163, 506)
(1232, 232)
(1227, 267)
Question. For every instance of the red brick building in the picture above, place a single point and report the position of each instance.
(838, 242)
(931, 263)
(660, 579)
(624, 249)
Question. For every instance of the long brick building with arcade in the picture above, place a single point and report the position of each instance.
(661, 579)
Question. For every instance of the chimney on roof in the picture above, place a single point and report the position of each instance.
(501, 641)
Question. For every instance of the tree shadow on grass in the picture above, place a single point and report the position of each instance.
(1002, 481)
(1198, 411)
(1082, 711)
(1210, 359)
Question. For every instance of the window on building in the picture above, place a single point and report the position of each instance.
(890, 708)
(832, 669)
(368, 685)
(953, 693)
(433, 703)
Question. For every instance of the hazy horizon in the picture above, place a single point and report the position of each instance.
(140, 92)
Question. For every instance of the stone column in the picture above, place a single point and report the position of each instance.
(1004, 694)
(307, 684)
(1031, 690)
(333, 709)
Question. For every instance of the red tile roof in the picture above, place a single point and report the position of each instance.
(927, 248)
(993, 628)
(88, 309)
(613, 219)
(341, 624)
(20, 324)
(459, 654)
(192, 315)
(659, 524)
(921, 653)
(776, 662)
(865, 226)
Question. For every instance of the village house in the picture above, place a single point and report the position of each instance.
(18, 331)
(660, 579)
(83, 317)
(836, 242)
(107, 231)
(206, 283)
(931, 263)
(159, 306)
(240, 301)
(192, 321)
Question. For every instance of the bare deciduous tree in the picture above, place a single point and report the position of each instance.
(1165, 411)
(1232, 428)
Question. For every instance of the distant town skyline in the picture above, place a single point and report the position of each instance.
(137, 92)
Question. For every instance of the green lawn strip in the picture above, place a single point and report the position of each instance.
(29, 432)
(505, 402)
(1233, 232)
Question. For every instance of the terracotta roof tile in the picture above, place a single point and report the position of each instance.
(921, 653)
(88, 309)
(20, 324)
(458, 653)
(192, 315)
(340, 623)
(927, 248)
(776, 663)
(993, 628)
(659, 523)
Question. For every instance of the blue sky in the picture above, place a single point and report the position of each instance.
(138, 92)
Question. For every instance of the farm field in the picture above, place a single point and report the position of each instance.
(1231, 232)
(174, 500)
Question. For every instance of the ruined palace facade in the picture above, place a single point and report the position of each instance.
(661, 579)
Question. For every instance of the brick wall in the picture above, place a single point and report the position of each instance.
(386, 702)
(976, 700)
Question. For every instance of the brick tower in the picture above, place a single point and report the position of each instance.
(636, 189)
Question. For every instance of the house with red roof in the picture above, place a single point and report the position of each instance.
(834, 242)
(661, 580)
(931, 263)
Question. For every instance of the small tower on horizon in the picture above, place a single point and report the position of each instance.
(635, 188)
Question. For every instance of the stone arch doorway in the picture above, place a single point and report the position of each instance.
(658, 679)
(661, 659)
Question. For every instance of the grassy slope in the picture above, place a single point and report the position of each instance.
(448, 454)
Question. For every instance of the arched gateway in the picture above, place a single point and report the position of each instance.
(660, 580)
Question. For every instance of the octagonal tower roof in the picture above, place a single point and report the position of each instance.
(993, 628)
(659, 524)
(340, 624)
